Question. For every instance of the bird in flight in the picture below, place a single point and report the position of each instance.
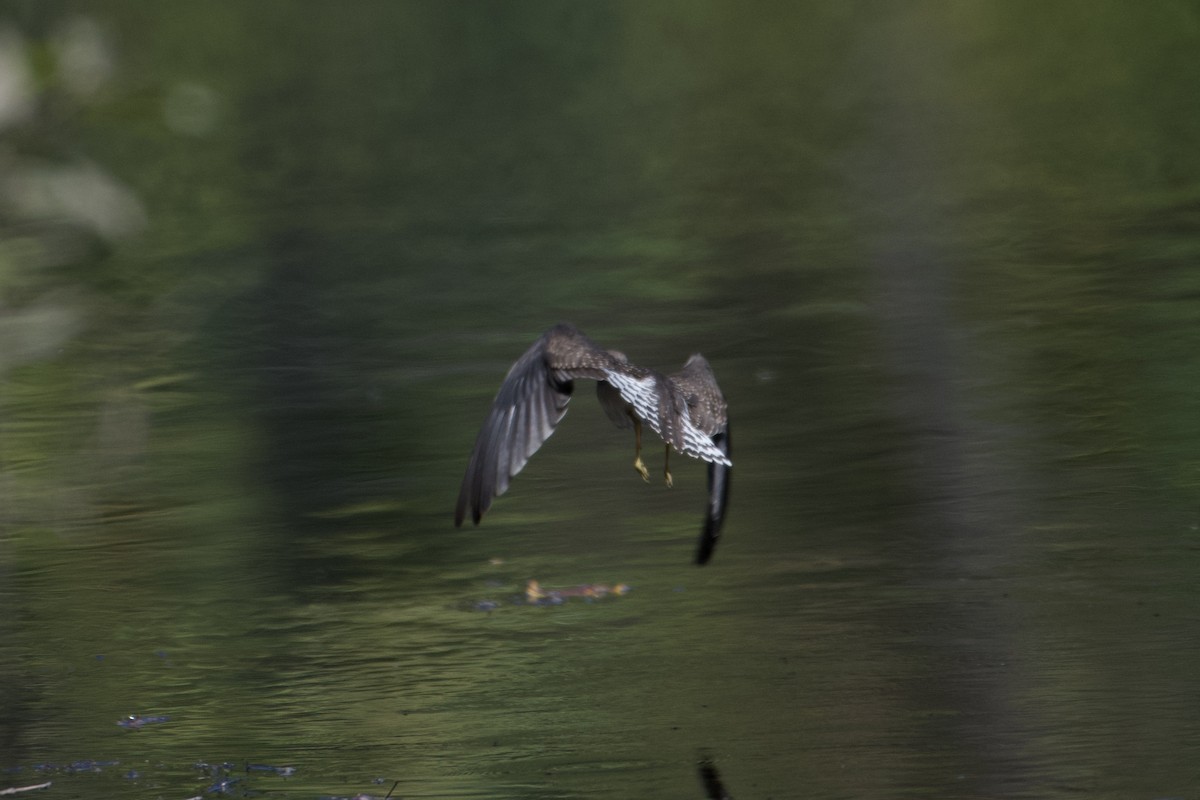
(686, 409)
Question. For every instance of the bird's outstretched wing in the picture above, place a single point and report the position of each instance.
(531, 401)
(718, 498)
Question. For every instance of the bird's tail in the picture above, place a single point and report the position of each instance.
(718, 498)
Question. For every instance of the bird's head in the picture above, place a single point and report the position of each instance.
(698, 364)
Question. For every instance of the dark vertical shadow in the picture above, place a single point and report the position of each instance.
(710, 779)
(295, 359)
(964, 504)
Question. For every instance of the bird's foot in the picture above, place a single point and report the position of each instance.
(640, 466)
(667, 478)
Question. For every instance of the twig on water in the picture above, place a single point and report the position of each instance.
(19, 789)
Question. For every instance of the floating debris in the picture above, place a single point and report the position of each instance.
(537, 595)
(136, 722)
(283, 772)
(88, 765)
(83, 765)
(19, 789)
(223, 786)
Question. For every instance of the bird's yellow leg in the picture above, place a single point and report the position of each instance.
(638, 464)
(667, 466)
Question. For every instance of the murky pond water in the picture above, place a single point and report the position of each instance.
(262, 272)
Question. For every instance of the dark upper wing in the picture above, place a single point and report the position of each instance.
(531, 401)
(719, 476)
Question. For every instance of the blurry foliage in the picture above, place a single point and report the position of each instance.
(59, 213)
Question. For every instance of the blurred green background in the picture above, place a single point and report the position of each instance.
(263, 266)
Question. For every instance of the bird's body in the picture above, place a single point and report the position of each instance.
(686, 409)
(708, 412)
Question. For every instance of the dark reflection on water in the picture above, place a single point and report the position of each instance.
(710, 778)
(942, 265)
